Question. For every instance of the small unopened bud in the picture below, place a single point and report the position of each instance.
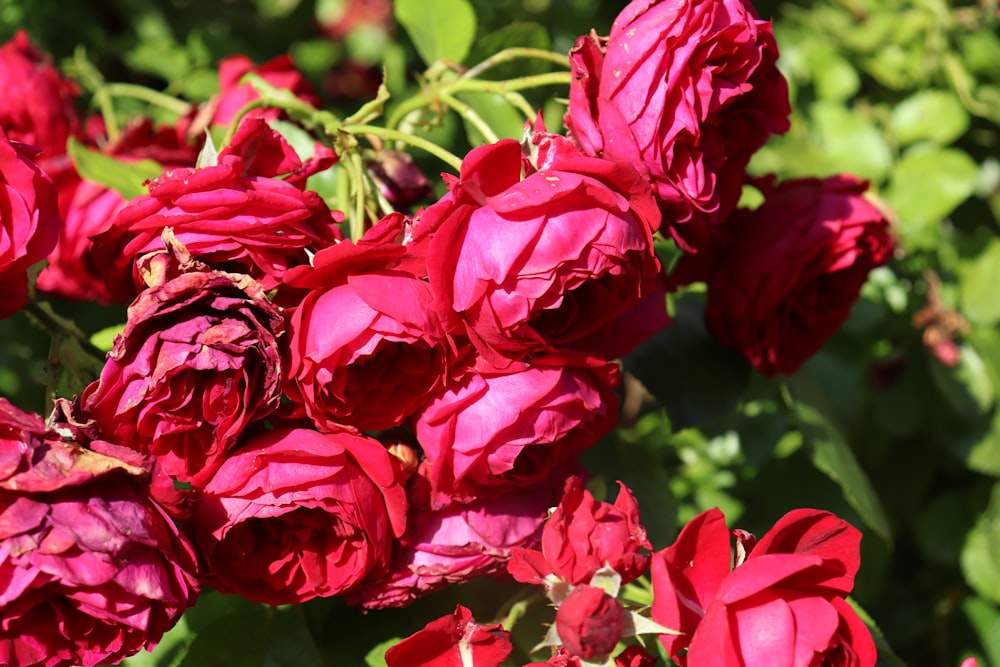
(590, 622)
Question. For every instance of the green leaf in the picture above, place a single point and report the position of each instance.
(376, 656)
(127, 179)
(981, 553)
(885, 651)
(925, 187)
(979, 278)
(985, 620)
(440, 29)
(832, 456)
(966, 387)
(105, 338)
(516, 34)
(929, 115)
(848, 142)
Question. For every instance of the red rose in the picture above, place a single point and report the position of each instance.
(236, 215)
(280, 72)
(92, 570)
(37, 104)
(582, 536)
(197, 362)
(367, 347)
(530, 264)
(590, 622)
(491, 430)
(294, 514)
(687, 91)
(452, 641)
(89, 208)
(783, 278)
(784, 600)
(29, 221)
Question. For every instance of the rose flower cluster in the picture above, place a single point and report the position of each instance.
(379, 417)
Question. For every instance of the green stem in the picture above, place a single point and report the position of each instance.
(357, 222)
(388, 134)
(54, 324)
(234, 124)
(149, 95)
(515, 53)
(469, 114)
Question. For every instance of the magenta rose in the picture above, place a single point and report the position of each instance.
(491, 430)
(29, 221)
(237, 215)
(785, 598)
(584, 535)
(687, 92)
(460, 542)
(89, 208)
(295, 514)
(533, 263)
(37, 105)
(455, 640)
(367, 347)
(197, 362)
(92, 570)
(783, 278)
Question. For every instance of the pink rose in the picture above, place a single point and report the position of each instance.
(493, 430)
(460, 542)
(294, 514)
(584, 535)
(89, 208)
(455, 640)
(29, 221)
(197, 362)
(37, 104)
(784, 599)
(590, 622)
(533, 263)
(367, 347)
(783, 278)
(92, 569)
(687, 91)
(236, 216)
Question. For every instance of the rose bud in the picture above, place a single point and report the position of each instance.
(590, 622)
(295, 514)
(398, 179)
(197, 362)
(490, 431)
(236, 215)
(29, 221)
(584, 535)
(452, 641)
(782, 278)
(93, 570)
(544, 261)
(686, 92)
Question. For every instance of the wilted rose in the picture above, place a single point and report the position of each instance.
(29, 221)
(785, 599)
(295, 514)
(236, 216)
(687, 91)
(455, 640)
(93, 570)
(493, 430)
(782, 278)
(584, 535)
(197, 362)
(544, 261)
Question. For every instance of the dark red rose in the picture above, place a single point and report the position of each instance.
(295, 514)
(92, 570)
(784, 599)
(197, 362)
(687, 92)
(29, 221)
(452, 641)
(590, 622)
(280, 72)
(783, 278)
(541, 261)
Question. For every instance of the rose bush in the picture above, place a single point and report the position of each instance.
(295, 514)
(782, 278)
(93, 570)
(686, 92)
